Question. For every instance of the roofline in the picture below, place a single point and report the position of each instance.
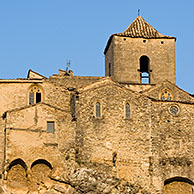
(108, 43)
(160, 84)
(111, 37)
(20, 81)
(82, 90)
(172, 101)
(164, 37)
(35, 73)
(32, 105)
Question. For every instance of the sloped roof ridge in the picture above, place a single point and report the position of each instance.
(139, 28)
(157, 86)
(103, 80)
(172, 101)
(107, 81)
(40, 103)
(30, 70)
(161, 84)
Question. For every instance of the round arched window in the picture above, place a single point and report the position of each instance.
(166, 95)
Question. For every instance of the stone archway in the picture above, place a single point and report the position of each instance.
(17, 176)
(178, 185)
(40, 170)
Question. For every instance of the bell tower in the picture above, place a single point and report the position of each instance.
(140, 55)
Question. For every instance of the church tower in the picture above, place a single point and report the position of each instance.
(140, 55)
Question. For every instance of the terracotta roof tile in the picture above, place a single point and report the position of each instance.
(141, 29)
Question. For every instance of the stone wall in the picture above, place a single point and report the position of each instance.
(89, 154)
(127, 52)
(176, 93)
(109, 60)
(172, 142)
(112, 136)
(31, 151)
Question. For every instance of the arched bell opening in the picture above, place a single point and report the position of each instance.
(144, 70)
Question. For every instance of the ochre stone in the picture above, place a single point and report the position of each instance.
(60, 144)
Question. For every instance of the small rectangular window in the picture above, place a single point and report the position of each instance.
(50, 126)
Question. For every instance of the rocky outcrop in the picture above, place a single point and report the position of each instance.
(89, 181)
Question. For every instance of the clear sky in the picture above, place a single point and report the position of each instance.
(43, 34)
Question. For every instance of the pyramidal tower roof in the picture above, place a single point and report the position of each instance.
(139, 28)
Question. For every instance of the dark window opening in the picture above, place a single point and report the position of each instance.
(38, 97)
(145, 70)
(109, 69)
(98, 113)
(114, 159)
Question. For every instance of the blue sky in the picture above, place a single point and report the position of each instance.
(43, 34)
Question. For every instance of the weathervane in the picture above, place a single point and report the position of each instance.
(138, 12)
(68, 64)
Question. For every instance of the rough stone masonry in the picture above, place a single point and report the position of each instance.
(130, 132)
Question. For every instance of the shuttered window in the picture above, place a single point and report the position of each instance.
(31, 98)
(98, 111)
(50, 126)
(127, 111)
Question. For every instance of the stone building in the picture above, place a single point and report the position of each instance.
(131, 131)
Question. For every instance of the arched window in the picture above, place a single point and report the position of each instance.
(35, 95)
(144, 70)
(165, 94)
(98, 110)
(127, 111)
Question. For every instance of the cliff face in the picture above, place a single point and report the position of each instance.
(76, 179)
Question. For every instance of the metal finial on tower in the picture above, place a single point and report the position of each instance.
(68, 65)
(138, 12)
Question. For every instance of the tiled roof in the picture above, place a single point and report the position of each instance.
(141, 29)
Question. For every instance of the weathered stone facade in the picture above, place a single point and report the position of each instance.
(130, 132)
